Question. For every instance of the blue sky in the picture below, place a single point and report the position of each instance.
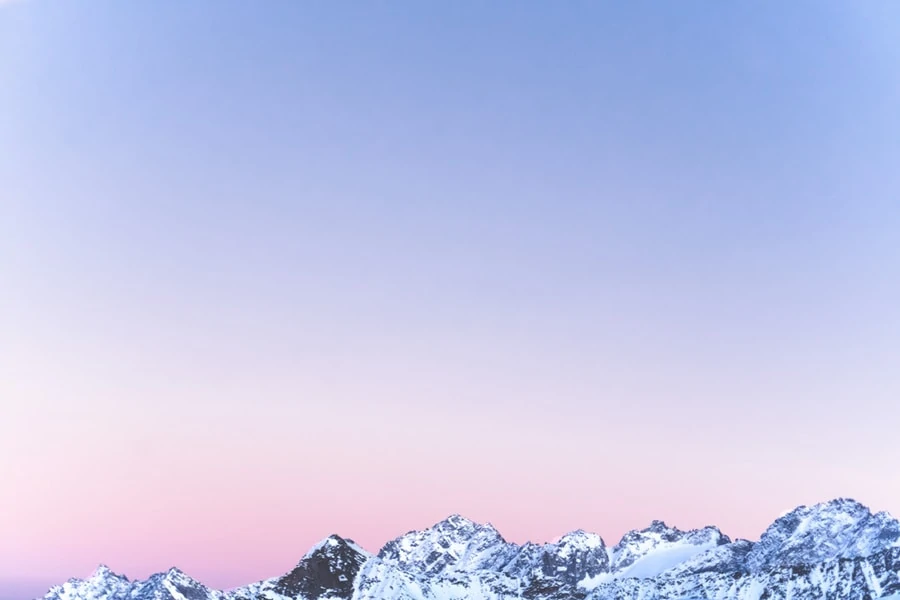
(572, 219)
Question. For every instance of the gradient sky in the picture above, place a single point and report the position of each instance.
(270, 271)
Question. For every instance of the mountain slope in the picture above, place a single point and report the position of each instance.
(836, 550)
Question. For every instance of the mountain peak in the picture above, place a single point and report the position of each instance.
(657, 531)
(581, 539)
(839, 528)
(331, 542)
(327, 570)
(848, 508)
(104, 572)
(658, 526)
(837, 548)
(654, 549)
(460, 528)
(457, 522)
(455, 543)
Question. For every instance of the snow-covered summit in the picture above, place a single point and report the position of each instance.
(650, 551)
(841, 528)
(335, 545)
(104, 584)
(579, 540)
(103, 572)
(455, 543)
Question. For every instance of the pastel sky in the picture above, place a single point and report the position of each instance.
(270, 271)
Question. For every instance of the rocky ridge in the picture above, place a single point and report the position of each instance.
(837, 550)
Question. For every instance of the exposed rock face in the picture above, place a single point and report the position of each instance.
(327, 571)
(837, 550)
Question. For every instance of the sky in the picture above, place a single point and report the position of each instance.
(272, 271)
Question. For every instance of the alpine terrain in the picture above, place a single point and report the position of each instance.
(835, 550)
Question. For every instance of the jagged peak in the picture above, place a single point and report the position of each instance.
(847, 510)
(170, 574)
(580, 537)
(458, 522)
(838, 528)
(660, 530)
(657, 525)
(457, 548)
(840, 505)
(656, 530)
(332, 541)
(576, 533)
(459, 528)
(102, 571)
(456, 542)
(174, 575)
(332, 544)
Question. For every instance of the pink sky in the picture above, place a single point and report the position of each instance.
(152, 462)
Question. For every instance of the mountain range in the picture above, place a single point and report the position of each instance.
(834, 550)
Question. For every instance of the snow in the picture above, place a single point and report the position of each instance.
(176, 595)
(845, 551)
(662, 559)
(329, 542)
(590, 583)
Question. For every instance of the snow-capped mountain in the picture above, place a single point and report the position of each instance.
(456, 544)
(838, 529)
(835, 550)
(106, 585)
(649, 552)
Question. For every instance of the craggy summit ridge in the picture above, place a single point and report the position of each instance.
(836, 550)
